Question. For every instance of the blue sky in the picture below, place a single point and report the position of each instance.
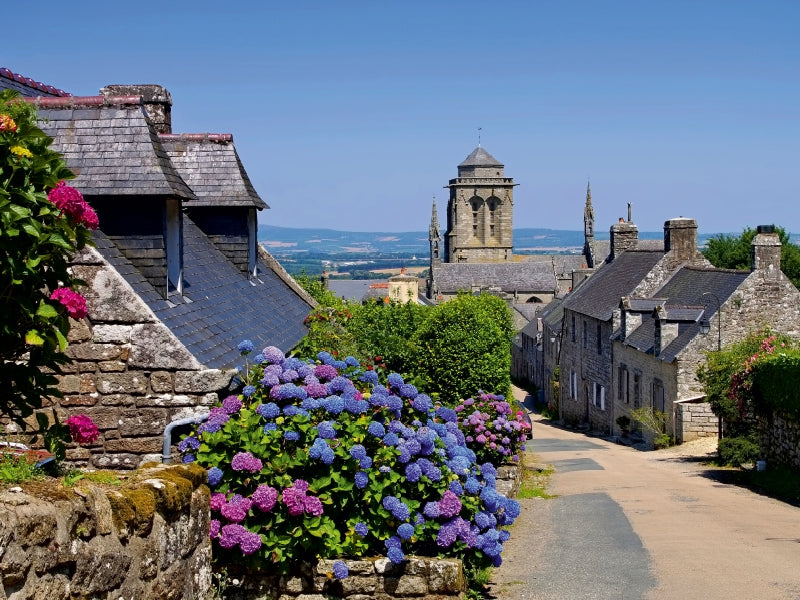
(353, 115)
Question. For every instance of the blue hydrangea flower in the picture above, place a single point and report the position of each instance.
(214, 476)
(333, 404)
(361, 529)
(271, 426)
(408, 391)
(245, 347)
(351, 361)
(361, 480)
(472, 485)
(292, 436)
(397, 507)
(325, 358)
(391, 439)
(394, 380)
(358, 451)
(188, 458)
(393, 542)
(273, 355)
(189, 443)
(365, 463)
(369, 377)
(376, 429)
(405, 531)
(431, 510)
(447, 414)
(456, 487)
(413, 472)
(423, 403)
(258, 359)
(326, 431)
(340, 570)
(248, 391)
(396, 555)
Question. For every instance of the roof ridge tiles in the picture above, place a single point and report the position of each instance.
(9, 74)
(196, 137)
(82, 101)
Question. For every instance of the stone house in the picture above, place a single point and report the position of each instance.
(176, 280)
(591, 315)
(660, 343)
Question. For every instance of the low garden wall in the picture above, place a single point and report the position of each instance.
(377, 578)
(147, 538)
(780, 439)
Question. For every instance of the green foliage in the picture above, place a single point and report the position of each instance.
(663, 440)
(624, 422)
(36, 243)
(652, 420)
(465, 346)
(733, 252)
(736, 451)
(17, 468)
(315, 287)
(774, 386)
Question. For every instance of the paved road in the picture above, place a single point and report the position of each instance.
(636, 525)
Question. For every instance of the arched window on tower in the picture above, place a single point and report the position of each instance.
(475, 203)
(492, 204)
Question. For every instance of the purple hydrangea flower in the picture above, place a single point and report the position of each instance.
(236, 508)
(231, 535)
(431, 510)
(273, 355)
(244, 461)
(250, 542)
(316, 389)
(326, 371)
(289, 375)
(270, 380)
(305, 370)
(218, 500)
(264, 498)
(449, 505)
(217, 417)
(213, 528)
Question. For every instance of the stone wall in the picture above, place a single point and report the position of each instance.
(379, 578)
(145, 539)
(129, 373)
(695, 420)
(780, 439)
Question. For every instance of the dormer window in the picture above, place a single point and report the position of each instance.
(174, 243)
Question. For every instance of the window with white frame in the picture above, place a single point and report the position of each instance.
(599, 395)
(573, 385)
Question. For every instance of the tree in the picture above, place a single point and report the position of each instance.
(733, 252)
(42, 224)
(465, 346)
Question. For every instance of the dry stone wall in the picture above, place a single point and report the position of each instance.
(129, 373)
(377, 579)
(780, 439)
(147, 539)
(695, 420)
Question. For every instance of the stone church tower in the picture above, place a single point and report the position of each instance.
(479, 212)
(435, 237)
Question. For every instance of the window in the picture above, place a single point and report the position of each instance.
(658, 395)
(637, 389)
(623, 392)
(599, 395)
(585, 335)
(573, 385)
(599, 339)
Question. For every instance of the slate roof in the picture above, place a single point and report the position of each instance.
(350, 289)
(508, 276)
(210, 165)
(480, 158)
(687, 305)
(553, 314)
(220, 307)
(109, 144)
(600, 294)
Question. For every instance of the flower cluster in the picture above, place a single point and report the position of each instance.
(316, 455)
(21, 151)
(71, 300)
(7, 124)
(493, 430)
(82, 429)
(70, 201)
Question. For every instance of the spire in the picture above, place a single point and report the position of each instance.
(435, 237)
(434, 231)
(588, 213)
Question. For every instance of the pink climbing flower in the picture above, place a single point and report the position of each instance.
(82, 429)
(72, 301)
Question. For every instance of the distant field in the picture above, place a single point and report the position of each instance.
(396, 271)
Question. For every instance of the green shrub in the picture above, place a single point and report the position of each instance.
(736, 451)
(663, 440)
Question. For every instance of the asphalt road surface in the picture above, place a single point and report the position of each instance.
(644, 525)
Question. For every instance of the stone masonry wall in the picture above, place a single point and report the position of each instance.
(129, 373)
(145, 539)
(377, 578)
(780, 439)
(695, 420)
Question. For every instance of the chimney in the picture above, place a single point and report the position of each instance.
(157, 102)
(664, 332)
(765, 250)
(680, 238)
(630, 320)
(624, 236)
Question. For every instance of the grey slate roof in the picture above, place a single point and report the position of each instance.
(553, 314)
(480, 158)
(224, 307)
(685, 300)
(600, 294)
(350, 289)
(508, 276)
(210, 165)
(109, 144)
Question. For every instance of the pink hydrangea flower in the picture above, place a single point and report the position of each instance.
(71, 300)
(82, 429)
(70, 201)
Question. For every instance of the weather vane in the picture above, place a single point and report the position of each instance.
(479, 136)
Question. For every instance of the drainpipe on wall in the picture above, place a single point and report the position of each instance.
(166, 453)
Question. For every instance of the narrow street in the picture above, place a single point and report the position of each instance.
(644, 525)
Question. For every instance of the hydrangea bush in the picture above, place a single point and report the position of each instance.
(320, 459)
(492, 429)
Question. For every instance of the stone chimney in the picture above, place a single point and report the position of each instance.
(629, 320)
(680, 238)
(157, 102)
(624, 236)
(765, 250)
(664, 331)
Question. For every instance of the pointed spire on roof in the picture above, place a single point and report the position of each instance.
(434, 228)
(588, 214)
(480, 158)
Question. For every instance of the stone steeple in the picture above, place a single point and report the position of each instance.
(480, 211)
(588, 215)
(435, 237)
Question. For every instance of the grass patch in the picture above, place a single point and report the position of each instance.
(779, 482)
(534, 482)
(17, 469)
(73, 476)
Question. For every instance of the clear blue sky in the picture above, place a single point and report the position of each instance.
(352, 115)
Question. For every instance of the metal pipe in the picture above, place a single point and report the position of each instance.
(166, 452)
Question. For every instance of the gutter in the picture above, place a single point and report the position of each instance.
(166, 452)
